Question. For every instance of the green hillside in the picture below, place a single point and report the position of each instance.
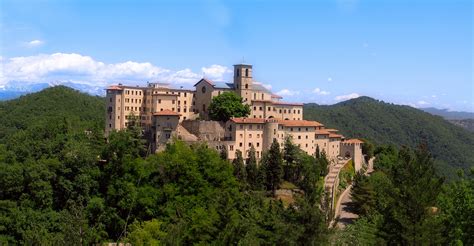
(385, 123)
(51, 106)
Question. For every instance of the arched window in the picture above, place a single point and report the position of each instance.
(246, 86)
(246, 72)
(238, 72)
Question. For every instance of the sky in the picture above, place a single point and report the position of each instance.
(413, 52)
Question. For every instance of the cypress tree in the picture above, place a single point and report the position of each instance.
(273, 167)
(252, 169)
(238, 163)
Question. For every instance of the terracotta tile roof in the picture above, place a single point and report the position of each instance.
(354, 141)
(276, 96)
(114, 87)
(278, 103)
(299, 123)
(332, 135)
(167, 112)
(322, 132)
(287, 103)
(331, 130)
(248, 120)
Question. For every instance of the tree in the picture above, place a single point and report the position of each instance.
(291, 167)
(273, 167)
(251, 169)
(239, 169)
(368, 149)
(227, 105)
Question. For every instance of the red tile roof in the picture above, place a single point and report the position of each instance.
(248, 120)
(276, 96)
(322, 132)
(114, 87)
(331, 130)
(335, 136)
(353, 141)
(167, 112)
(287, 103)
(299, 123)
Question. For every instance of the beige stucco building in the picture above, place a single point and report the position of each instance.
(164, 112)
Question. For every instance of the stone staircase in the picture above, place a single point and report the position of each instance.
(333, 175)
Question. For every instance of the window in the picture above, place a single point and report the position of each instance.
(260, 108)
(184, 102)
(258, 144)
(246, 86)
(238, 74)
(241, 127)
(203, 89)
(179, 102)
(110, 117)
(110, 100)
(299, 137)
(159, 100)
(258, 135)
(172, 101)
(250, 135)
(231, 147)
(254, 108)
(185, 109)
(284, 111)
(246, 72)
(240, 144)
(110, 125)
(263, 96)
(250, 144)
(269, 108)
(280, 111)
(204, 108)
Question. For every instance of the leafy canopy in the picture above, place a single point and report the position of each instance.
(227, 105)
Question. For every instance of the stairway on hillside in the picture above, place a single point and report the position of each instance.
(333, 174)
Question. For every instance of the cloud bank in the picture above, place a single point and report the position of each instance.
(85, 69)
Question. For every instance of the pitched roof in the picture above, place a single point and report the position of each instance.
(287, 103)
(299, 123)
(205, 80)
(248, 120)
(332, 135)
(167, 112)
(260, 87)
(276, 96)
(114, 87)
(223, 85)
(331, 130)
(354, 141)
(322, 132)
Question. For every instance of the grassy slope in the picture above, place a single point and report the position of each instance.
(51, 105)
(386, 123)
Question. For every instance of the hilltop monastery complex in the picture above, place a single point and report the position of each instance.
(165, 112)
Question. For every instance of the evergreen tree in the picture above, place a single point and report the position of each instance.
(318, 152)
(239, 169)
(251, 169)
(417, 187)
(223, 154)
(363, 194)
(273, 167)
(291, 170)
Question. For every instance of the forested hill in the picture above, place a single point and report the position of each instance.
(385, 123)
(50, 106)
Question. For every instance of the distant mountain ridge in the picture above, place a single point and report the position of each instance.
(14, 89)
(386, 123)
(450, 115)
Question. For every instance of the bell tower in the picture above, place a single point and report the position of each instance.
(243, 81)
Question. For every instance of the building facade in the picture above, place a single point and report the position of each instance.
(165, 112)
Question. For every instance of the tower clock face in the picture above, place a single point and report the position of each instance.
(203, 89)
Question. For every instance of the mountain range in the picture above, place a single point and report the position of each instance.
(385, 123)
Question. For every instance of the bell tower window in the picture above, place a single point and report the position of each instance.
(246, 72)
(246, 86)
(238, 72)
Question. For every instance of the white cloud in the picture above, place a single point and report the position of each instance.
(215, 72)
(34, 43)
(77, 67)
(286, 92)
(347, 97)
(422, 103)
(321, 92)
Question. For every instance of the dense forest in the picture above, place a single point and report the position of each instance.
(384, 123)
(63, 184)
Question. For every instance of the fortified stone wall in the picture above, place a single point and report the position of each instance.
(205, 130)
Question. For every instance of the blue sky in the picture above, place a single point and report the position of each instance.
(407, 52)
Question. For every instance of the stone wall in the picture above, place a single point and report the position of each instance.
(205, 130)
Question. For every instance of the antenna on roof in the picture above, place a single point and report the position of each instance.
(243, 59)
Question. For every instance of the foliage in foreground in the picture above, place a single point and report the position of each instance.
(227, 105)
